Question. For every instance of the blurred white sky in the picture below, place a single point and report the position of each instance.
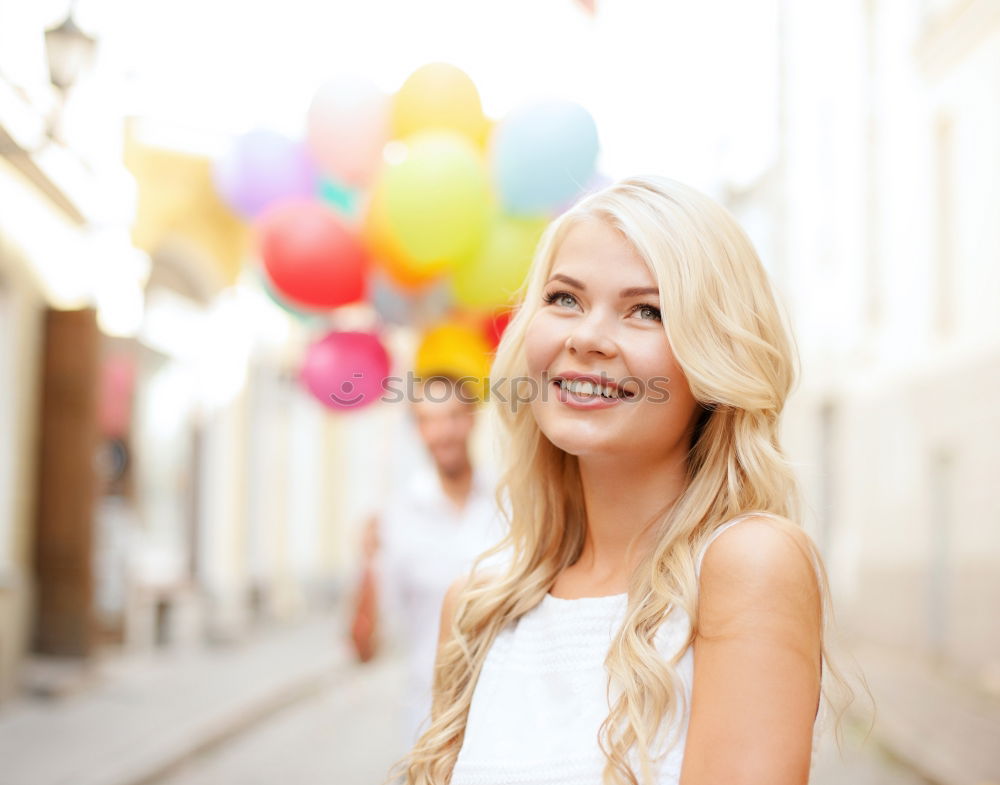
(686, 89)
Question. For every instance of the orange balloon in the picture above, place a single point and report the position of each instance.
(386, 251)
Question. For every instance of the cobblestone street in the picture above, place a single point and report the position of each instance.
(342, 735)
(292, 706)
(862, 763)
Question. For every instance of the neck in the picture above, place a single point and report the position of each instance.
(621, 499)
(456, 483)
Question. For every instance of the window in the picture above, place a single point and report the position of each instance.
(940, 510)
(8, 442)
(942, 283)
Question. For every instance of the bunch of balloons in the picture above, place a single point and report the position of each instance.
(416, 203)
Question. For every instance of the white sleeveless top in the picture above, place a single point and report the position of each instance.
(541, 695)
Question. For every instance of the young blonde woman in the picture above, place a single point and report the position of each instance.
(638, 389)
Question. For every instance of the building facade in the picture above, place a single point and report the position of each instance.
(877, 214)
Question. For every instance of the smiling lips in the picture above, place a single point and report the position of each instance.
(586, 391)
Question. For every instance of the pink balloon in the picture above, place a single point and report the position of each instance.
(117, 388)
(346, 370)
(348, 125)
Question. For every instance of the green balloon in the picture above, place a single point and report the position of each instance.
(438, 199)
(492, 278)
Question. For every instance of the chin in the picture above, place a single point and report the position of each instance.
(451, 463)
(569, 439)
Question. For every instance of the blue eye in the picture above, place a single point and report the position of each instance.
(554, 297)
(650, 309)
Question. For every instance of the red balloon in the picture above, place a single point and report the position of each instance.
(310, 256)
(495, 325)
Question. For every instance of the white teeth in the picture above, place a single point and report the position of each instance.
(588, 388)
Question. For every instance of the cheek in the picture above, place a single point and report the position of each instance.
(464, 429)
(541, 343)
(680, 401)
(651, 358)
(655, 361)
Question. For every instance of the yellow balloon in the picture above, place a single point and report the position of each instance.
(438, 200)
(457, 350)
(439, 96)
(492, 278)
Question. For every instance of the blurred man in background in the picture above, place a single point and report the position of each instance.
(427, 534)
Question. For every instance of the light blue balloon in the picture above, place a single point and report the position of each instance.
(543, 155)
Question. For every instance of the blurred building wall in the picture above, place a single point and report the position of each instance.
(67, 481)
(878, 218)
(239, 490)
(21, 308)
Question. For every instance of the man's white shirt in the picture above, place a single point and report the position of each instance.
(425, 544)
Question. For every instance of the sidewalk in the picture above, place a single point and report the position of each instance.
(141, 718)
(944, 731)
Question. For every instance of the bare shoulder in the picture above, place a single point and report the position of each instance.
(755, 569)
(757, 657)
(451, 596)
(760, 549)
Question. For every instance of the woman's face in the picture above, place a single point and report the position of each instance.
(600, 318)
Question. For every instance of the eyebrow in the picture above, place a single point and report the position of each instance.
(635, 291)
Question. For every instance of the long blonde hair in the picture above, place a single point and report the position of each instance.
(731, 340)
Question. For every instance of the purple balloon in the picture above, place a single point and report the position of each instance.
(263, 167)
(346, 370)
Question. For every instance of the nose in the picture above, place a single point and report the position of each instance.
(444, 428)
(591, 334)
(438, 430)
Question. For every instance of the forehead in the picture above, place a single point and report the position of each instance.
(436, 397)
(592, 249)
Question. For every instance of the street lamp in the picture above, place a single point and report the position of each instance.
(69, 50)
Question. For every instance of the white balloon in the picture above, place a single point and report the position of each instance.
(348, 125)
